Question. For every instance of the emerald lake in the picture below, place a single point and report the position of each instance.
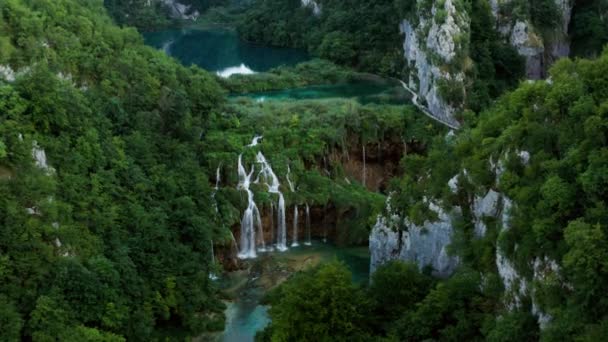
(217, 50)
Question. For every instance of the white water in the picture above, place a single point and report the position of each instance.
(308, 239)
(295, 243)
(255, 141)
(217, 187)
(258, 221)
(235, 70)
(282, 231)
(270, 179)
(289, 179)
(247, 247)
(212, 275)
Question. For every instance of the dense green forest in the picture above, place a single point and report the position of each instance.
(109, 239)
(115, 243)
(108, 153)
(561, 214)
(359, 33)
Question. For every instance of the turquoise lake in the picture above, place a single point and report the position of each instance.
(218, 49)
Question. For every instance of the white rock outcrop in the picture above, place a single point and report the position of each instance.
(396, 238)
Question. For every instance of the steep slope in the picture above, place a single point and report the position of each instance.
(105, 215)
(521, 199)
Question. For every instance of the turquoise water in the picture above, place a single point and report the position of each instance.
(362, 91)
(219, 49)
(245, 316)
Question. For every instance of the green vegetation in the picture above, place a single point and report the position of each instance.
(589, 27)
(318, 305)
(361, 34)
(110, 241)
(315, 72)
(497, 65)
(559, 214)
(116, 241)
(113, 242)
(151, 14)
(315, 139)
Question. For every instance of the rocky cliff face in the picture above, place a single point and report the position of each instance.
(396, 238)
(436, 48)
(540, 51)
(430, 49)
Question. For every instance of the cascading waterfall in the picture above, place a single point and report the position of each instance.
(272, 182)
(295, 243)
(282, 231)
(247, 249)
(255, 141)
(308, 238)
(289, 179)
(258, 221)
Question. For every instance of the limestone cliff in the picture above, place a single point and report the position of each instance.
(395, 237)
(433, 49)
(540, 50)
(436, 48)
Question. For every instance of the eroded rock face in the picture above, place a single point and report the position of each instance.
(429, 57)
(539, 51)
(396, 238)
(437, 58)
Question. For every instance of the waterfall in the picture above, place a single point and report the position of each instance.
(282, 231)
(268, 174)
(258, 222)
(272, 182)
(247, 249)
(255, 141)
(212, 275)
(364, 165)
(308, 239)
(217, 187)
(295, 243)
(217, 177)
(289, 179)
